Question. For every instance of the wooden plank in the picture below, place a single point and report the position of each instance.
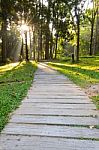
(59, 106)
(47, 82)
(56, 92)
(54, 85)
(51, 131)
(55, 120)
(45, 143)
(52, 78)
(46, 79)
(53, 89)
(59, 101)
(57, 96)
(59, 112)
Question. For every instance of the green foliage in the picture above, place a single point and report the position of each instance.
(15, 80)
(84, 40)
(56, 19)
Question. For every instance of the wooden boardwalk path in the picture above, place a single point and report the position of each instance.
(56, 115)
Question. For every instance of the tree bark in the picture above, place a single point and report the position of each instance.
(22, 51)
(41, 42)
(77, 14)
(47, 47)
(78, 37)
(34, 44)
(94, 11)
(27, 55)
(91, 39)
(51, 47)
(30, 47)
(56, 45)
(96, 43)
(4, 41)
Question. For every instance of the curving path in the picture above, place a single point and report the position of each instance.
(56, 115)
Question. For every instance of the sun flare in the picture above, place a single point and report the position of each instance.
(24, 28)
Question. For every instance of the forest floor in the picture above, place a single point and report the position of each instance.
(85, 74)
(93, 90)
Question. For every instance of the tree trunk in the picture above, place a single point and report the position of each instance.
(38, 48)
(51, 46)
(34, 44)
(4, 31)
(47, 47)
(92, 30)
(41, 34)
(31, 48)
(96, 43)
(22, 51)
(78, 37)
(41, 42)
(91, 39)
(27, 57)
(4, 41)
(56, 46)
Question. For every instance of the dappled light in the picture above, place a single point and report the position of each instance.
(8, 67)
(97, 60)
(83, 74)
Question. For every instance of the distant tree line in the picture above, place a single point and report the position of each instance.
(52, 27)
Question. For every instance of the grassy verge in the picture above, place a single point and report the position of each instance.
(15, 80)
(83, 74)
(96, 101)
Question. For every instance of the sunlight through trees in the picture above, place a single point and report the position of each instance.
(46, 29)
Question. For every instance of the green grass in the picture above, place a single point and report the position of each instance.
(15, 80)
(84, 74)
(96, 101)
